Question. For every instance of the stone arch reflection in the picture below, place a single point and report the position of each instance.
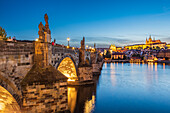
(7, 102)
(68, 68)
(81, 99)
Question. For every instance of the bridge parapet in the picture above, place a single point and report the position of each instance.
(16, 59)
(58, 53)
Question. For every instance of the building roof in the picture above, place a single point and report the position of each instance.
(134, 45)
(39, 75)
(159, 43)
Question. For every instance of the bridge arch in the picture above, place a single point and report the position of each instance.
(7, 102)
(10, 88)
(67, 66)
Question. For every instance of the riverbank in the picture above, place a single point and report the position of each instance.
(142, 61)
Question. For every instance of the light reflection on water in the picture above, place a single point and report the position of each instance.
(136, 88)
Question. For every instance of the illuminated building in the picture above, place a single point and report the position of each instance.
(168, 46)
(114, 48)
(149, 43)
(117, 55)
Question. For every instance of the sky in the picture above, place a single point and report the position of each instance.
(104, 22)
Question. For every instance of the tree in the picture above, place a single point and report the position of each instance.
(3, 33)
(108, 54)
(124, 57)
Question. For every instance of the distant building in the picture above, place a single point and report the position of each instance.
(116, 49)
(153, 44)
(150, 41)
(168, 46)
(103, 50)
(135, 59)
(164, 54)
(117, 55)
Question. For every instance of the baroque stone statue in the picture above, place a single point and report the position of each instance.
(82, 53)
(83, 43)
(40, 26)
(46, 18)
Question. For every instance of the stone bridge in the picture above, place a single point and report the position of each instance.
(24, 64)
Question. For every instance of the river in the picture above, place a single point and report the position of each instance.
(127, 88)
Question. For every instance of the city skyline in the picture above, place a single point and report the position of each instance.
(110, 22)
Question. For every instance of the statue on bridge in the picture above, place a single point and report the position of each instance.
(82, 53)
(46, 18)
(46, 24)
(83, 44)
(41, 31)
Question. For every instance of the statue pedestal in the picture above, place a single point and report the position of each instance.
(101, 65)
(85, 73)
(85, 76)
(96, 69)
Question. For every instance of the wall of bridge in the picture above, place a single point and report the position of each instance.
(16, 59)
(58, 53)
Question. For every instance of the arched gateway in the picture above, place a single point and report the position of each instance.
(67, 67)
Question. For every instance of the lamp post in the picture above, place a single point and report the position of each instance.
(36, 39)
(87, 46)
(68, 39)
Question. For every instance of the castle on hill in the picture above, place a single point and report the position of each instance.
(150, 41)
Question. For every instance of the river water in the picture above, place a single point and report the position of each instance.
(126, 88)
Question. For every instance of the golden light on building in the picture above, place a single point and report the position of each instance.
(90, 47)
(111, 51)
(71, 79)
(68, 68)
(149, 43)
(7, 102)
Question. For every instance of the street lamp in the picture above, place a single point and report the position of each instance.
(36, 39)
(68, 39)
(87, 46)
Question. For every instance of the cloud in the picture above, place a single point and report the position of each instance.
(105, 42)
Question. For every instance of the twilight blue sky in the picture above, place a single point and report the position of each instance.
(105, 22)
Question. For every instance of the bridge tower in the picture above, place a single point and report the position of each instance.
(42, 47)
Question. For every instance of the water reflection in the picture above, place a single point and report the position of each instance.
(72, 98)
(164, 66)
(81, 99)
(138, 89)
(155, 66)
(112, 72)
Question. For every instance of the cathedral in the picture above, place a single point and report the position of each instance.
(150, 41)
